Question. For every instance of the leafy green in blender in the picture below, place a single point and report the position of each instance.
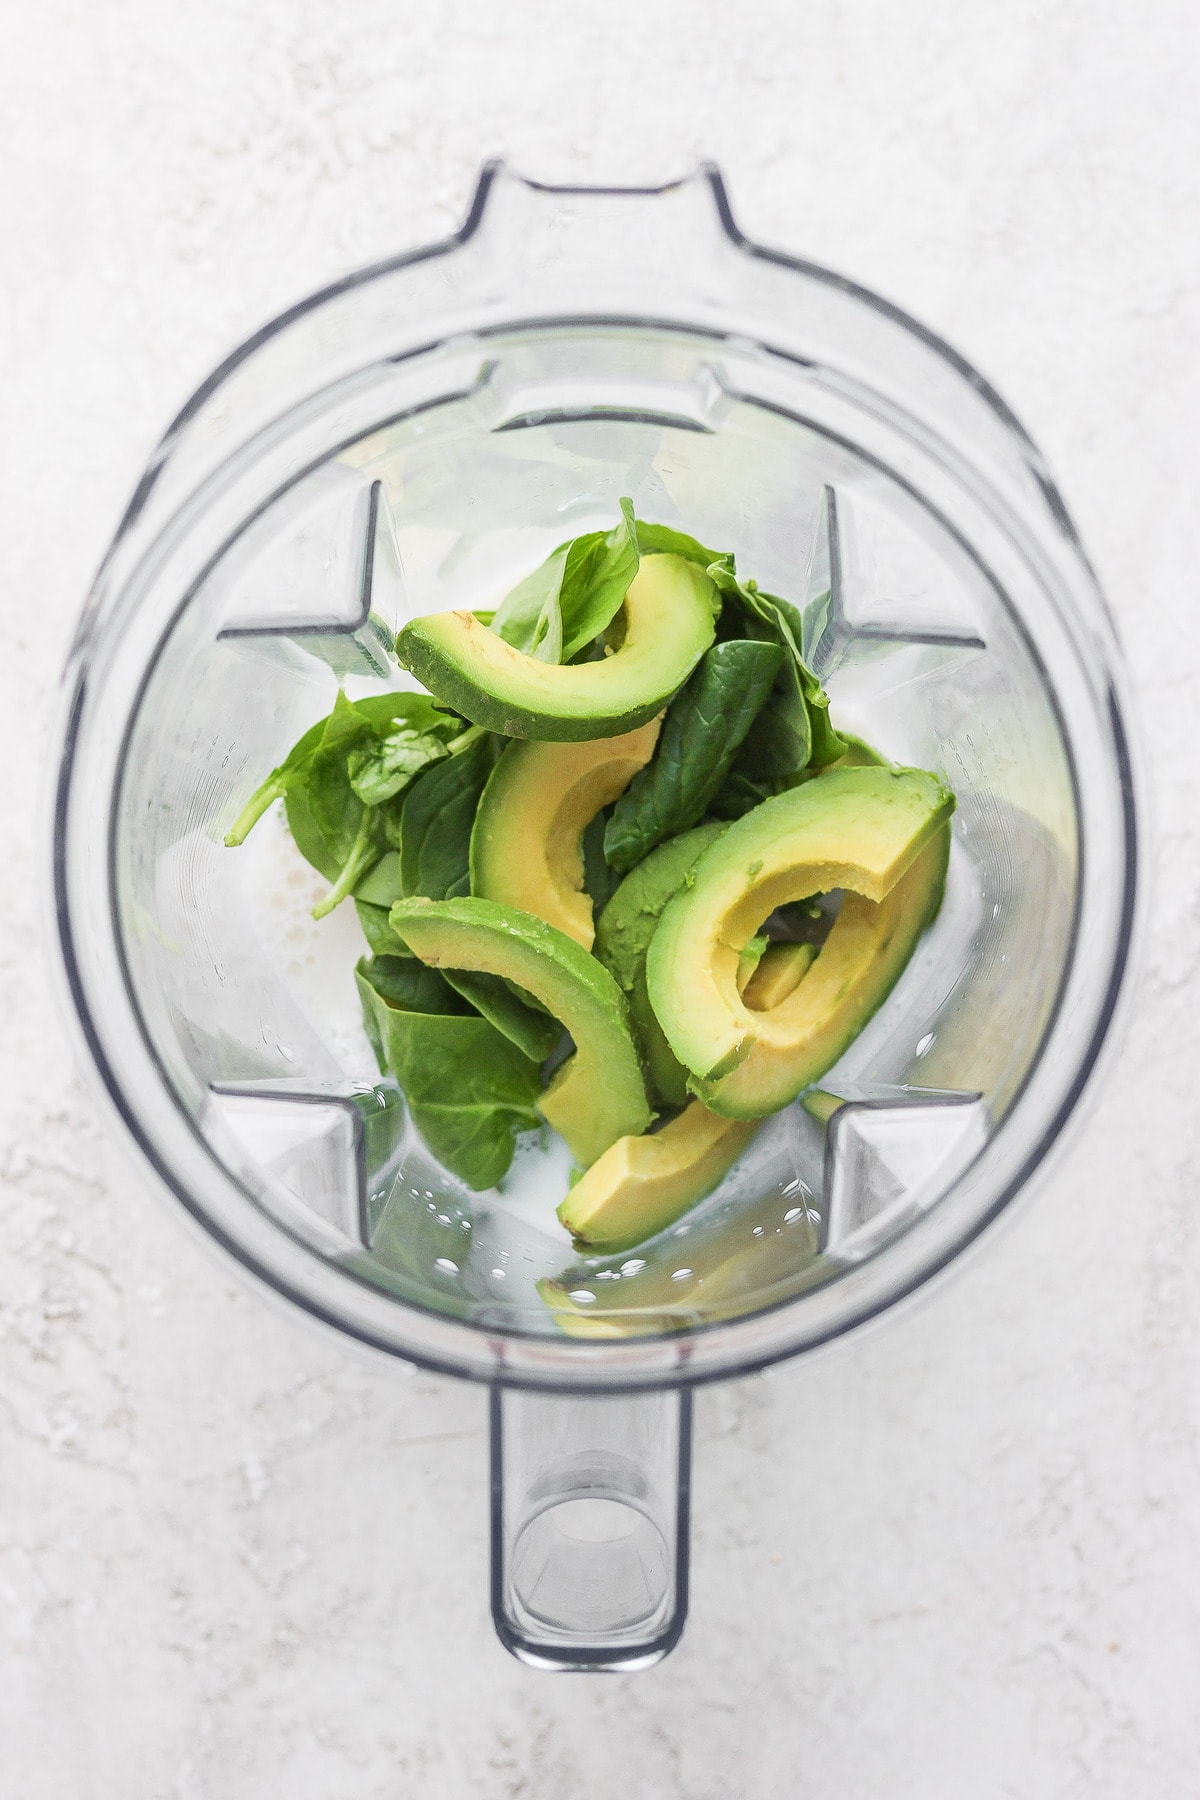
(382, 798)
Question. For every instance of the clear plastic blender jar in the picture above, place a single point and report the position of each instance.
(416, 437)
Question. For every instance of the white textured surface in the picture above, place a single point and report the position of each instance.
(957, 1557)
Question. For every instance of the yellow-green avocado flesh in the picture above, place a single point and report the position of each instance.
(598, 1095)
(878, 833)
(668, 617)
(526, 845)
(641, 1185)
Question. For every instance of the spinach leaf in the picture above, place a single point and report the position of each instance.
(357, 766)
(658, 540)
(469, 1090)
(566, 603)
(741, 793)
(436, 819)
(359, 855)
(704, 727)
(406, 982)
(379, 772)
(599, 569)
(382, 886)
(523, 1023)
(599, 881)
(412, 985)
(378, 933)
(280, 781)
(530, 617)
(342, 776)
(314, 777)
(797, 687)
(306, 833)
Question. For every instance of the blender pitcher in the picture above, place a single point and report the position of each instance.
(416, 437)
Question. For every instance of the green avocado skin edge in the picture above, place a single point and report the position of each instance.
(669, 624)
(623, 934)
(437, 670)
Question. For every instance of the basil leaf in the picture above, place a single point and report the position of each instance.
(436, 819)
(469, 1090)
(522, 1022)
(703, 729)
(566, 603)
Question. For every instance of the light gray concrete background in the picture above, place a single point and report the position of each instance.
(958, 1557)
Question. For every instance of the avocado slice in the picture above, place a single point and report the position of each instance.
(757, 1255)
(642, 1184)
(668, 618)
(598, 1095)
(777, 973)
(623, 934)
(526, 845)
(880, 834)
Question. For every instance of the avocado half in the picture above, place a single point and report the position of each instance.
(668, 617)
(878, 833)
(598, 1095)
(526, 845)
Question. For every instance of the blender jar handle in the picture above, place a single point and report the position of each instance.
(590, 1503)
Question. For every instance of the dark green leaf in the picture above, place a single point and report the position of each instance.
(344, 725)
(378, 933)
(435, 823)
(405, 982)
(703, 729)
(524, 1024)
(307, 835)
(469, 1090)
(828, 745)
(795, 687)
(381, 887)
(779, 747)
(741, 794)
(356, 835)
(599, 880)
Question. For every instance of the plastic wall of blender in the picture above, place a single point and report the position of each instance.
(590, 1507)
